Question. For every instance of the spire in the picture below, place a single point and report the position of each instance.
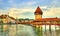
(38, 10)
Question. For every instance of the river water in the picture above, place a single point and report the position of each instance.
(25, 30)
(16, 30)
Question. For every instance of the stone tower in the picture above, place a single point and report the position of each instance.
(38, 13)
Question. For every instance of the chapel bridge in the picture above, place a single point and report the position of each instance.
(41, 21)
(34, 23)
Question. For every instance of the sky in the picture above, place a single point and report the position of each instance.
(26, 8)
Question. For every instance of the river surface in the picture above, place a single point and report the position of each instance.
(25, 30)
(16, 30)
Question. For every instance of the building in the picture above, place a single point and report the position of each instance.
(7, 19)
(39, 21)
(38, 13)
(38, 18)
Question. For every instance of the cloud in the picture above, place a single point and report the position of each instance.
(55, 3)
(3, 11)
(52, 12)
(29, 12)
(44, 7)
(24, 12)
(29, 3)
(20, 12)
(16, 3)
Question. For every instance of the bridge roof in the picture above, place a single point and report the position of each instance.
(48, 19)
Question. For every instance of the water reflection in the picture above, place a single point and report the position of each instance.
(16, 30)
(28, 30)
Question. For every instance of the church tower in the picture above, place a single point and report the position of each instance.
(38, 13)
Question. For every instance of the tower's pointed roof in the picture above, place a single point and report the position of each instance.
(38, 10)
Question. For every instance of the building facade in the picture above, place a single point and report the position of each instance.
(7, 19)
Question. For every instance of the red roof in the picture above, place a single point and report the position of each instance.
(4, 16)
(12, 18)
(38, 10)
(48, 19)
